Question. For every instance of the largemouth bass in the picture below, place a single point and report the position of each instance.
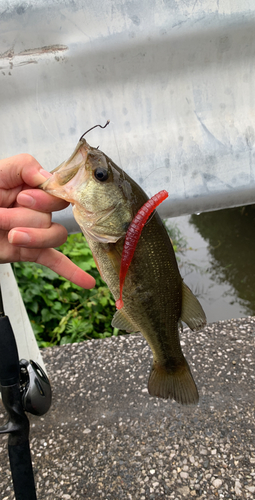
(105, 200)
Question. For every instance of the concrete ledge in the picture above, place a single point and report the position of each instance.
(106, 438)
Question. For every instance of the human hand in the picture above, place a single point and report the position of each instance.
(26, 231)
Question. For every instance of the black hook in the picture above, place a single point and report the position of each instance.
(95, 126)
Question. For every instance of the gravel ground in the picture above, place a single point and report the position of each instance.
(106, 438)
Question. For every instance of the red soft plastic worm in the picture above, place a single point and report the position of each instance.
(133, 235)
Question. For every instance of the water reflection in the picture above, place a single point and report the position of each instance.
(231, 244)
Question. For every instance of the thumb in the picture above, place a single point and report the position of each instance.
(21, 169)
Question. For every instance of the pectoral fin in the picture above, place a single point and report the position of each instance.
(121, 321)
(192, 312)
(113, 256)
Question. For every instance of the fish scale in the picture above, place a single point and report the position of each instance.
(166, 298)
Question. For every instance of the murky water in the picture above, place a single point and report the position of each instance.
(219, 261)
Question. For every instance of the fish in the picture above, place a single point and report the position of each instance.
(105, 200)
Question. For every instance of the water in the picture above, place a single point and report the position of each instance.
(218, 263)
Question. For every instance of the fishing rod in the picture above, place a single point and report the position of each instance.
(24, 387)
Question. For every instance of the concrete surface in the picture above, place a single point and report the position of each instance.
(106, 438)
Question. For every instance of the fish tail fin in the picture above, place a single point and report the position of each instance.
(174, 383)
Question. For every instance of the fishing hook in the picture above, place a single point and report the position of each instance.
(101, 126)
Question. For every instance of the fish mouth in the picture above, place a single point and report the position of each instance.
(68, 175)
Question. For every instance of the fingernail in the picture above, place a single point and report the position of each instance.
(45, 173)
(26, 200)
(18, 237)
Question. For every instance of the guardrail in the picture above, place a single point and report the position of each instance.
(177, 83)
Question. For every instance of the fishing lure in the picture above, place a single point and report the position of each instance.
(133, 235)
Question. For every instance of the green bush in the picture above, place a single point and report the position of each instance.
(61, 312)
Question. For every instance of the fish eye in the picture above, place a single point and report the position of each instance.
(101, 174)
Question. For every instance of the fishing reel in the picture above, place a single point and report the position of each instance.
(31, 393)
(35, 388)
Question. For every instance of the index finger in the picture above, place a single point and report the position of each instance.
(21, 169)
(41, 201)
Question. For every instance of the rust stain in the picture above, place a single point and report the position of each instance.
(23, 63)
(8, 54)
(38, 51)
(43, 50)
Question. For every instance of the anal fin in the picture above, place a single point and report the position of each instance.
(121, 322)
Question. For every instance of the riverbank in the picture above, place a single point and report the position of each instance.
(106, 438)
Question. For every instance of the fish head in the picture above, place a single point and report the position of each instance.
(98, 190)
